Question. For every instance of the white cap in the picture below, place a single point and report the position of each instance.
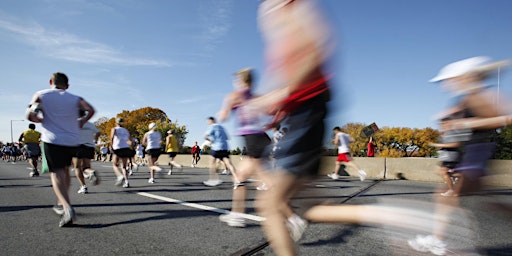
(462, 67)
(152, 125)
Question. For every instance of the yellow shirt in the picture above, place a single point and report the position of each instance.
(31, 136)
(173, 144)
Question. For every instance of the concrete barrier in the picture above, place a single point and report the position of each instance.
(410, 168)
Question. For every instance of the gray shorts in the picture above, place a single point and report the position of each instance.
(33, 150)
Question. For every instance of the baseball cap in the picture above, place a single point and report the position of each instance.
(462, 67)
(119, 120)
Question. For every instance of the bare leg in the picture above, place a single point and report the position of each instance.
(273, 205)
(77, 163)
(213, 169)
(61, 181)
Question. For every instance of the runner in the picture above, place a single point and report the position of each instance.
(172, 147)
(89, 135)
(120, 143)
(152, 141)
(32, 138)
(61, 135)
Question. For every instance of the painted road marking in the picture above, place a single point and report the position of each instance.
(199, 206)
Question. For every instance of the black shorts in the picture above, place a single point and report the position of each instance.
(123, 152)
(85, 152)
(154, 152)
(58, 156)
(256, 144)
(172, 154)
(220, 154)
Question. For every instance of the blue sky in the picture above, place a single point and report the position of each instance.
(179, 55)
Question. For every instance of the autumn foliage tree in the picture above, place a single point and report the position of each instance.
(393, 141)
(137, 122)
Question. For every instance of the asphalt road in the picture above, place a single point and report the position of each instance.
(179, 216)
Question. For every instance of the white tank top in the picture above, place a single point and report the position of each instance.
(121, 138)
(60, 117)
(154, 138)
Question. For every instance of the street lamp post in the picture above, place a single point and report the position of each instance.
(12, 140)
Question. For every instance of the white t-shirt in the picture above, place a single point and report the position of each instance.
(343, 142)
(60, 124)
(87, 134)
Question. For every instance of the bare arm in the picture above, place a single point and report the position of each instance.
(84, 105)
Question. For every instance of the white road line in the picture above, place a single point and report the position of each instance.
(199, 206)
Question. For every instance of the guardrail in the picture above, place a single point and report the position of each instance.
(410, 168)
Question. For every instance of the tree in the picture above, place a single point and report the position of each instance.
(137, 122)
(503, 138)
(393, 141)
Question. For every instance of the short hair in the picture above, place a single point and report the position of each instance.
(32, 126)
(211, 118)
(246, 75)
(337, 128)
(59, 79)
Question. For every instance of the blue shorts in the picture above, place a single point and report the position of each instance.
(299, 152)
(474, 159)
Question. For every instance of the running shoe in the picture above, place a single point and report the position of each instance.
(58, 209)
(83, 190)
(34, 174)
(362, 175)
(225, 172)
(212, 183)
(151, 181)
(333, 176)
(428, 243)
(126, 184)
(67, 218)
(263, 186)
(449, 193)
(233, 219)
(94, 178)
(119, 180)
(296, 226)
(170, 172)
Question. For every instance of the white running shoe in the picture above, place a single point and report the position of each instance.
(263, 186)
(296, 226)
(428, 243)
(126, 184)
(362, 175)
(233, 219)
(449, 193)
(170, 172)
(333, 176)
(119, 180)
(212, 183)
(151, 181)
(83, 190)
(225, 172)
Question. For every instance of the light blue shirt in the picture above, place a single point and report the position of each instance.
(218, 136)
